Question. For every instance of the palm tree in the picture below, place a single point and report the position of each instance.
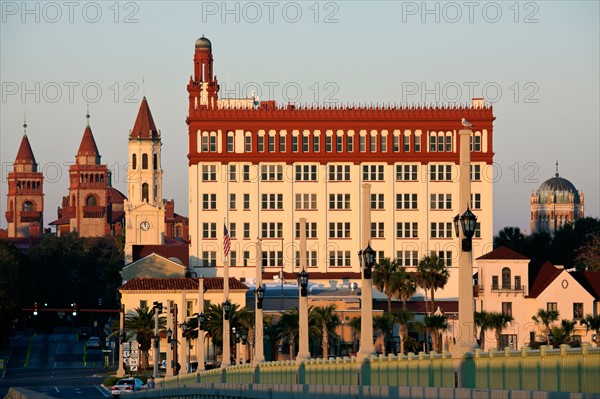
(546, 317)
(214, 322)
(431, 275)
(327, 318)
(246, 322)
(482, 320)
(382, 272)
(141, 323)
(497, 322)
(592, 322)
(287, 329)
(403, 317)
(568, 329)
(403, 286)
(383, 324)
(435, 324)
(355, 327)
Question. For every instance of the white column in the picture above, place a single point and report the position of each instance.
(259, 352)
(465, 341)
(367, 349)
(200, 341)
(303, 350)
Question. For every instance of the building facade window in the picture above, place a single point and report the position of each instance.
(246, 202)
(272, 230)
(377, 230)
(230, 143)
(306, 172)
(406, 172)
(406, 201)
(306, 202)
(350, 143)
(145, 192)
(311, 258)
(396, 143)
(305, 144)
(417, 143)
(328, 144)
(506, 278)
(377, 201)
(272, 258)
(209, 230)
(407, 258)
(271, 172)
(441, 230)
(311, 230)
(475, 201)
(507, 308)
(339, 258)
(339, 230)
(248, 143)
(407, 230)
(339, 172)
(209, 202)
(282, 143)
(246, 231)
(577, 310)
(271, 143)
(260, 143)
(294, 143)
(440, 172)
(339, 143)
(209, 172)
(475, 172)
(232, 230)
(232, 172)
(495, 283)
(551, 307)
(246, 172)
(272, 201)
(144, 161)
(440, 201)
(339, 201)
(446, 257)
(373, 173)
(316, 143)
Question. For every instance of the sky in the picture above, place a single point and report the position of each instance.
(536, 62)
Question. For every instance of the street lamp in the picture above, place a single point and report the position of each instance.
(366, 258)
(260, 295)
(467, 222)
(170, 337)
(303, 282)
(227, 308)
(551, 337)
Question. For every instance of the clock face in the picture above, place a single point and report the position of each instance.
(145, 225)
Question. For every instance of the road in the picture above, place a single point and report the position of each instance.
(57, 364)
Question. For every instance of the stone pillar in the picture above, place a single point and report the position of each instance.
(200, 341)
(303, 350)
(259, 351)
(367, 349)
(121, 369)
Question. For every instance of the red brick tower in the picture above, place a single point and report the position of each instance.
(25, 208)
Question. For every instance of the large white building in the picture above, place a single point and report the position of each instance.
(259, 168)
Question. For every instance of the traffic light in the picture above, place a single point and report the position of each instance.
(74, 309)
(35, 309)
(100, 302)
(158, 305)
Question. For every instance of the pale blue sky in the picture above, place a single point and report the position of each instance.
(543, 56)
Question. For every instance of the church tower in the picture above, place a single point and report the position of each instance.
(145, 208)
(25, 208)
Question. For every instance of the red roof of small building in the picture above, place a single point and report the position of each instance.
(178, 284)
(25, 153)
(545, 276)
(144, 127)
(590, 281)
(88, 144)
(502, 253)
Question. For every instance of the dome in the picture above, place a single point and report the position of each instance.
(557, 190)
(203, 43)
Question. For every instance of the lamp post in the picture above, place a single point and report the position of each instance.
(157, 310)
(303, 350)
(259, 293)
(465, 340)
(366, 260)
(121, 369)
(226, 334)
(551, 338)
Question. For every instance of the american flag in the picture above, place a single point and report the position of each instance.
(226, 242)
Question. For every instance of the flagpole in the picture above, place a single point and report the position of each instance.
(226, 360)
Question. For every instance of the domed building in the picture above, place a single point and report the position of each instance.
(556, 203)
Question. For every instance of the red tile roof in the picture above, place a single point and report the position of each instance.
(313, 275)
(546, 275)
(176, 249)
(590, 281)
(503, 253)
(25, 153)
(144, 127)
(115, 196)
(88, 144)
(177, 284)
(61, 221)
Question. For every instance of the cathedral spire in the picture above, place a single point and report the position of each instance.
(88, 153)
(144, 127)
(556, 168)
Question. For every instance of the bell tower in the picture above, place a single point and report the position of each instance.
(145, 208)
(25, 207)
(203, 86)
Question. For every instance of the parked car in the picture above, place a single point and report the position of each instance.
(84, 333)
(93, 343)
(126, 385)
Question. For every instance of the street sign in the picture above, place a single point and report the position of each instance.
(126, 353)
(134, 361)
(106, 350)
(133, 368)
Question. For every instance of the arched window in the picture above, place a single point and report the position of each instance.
(145, 192)
(27, 206)
(91, 200)
(506, 278)
(72, 201)
(178, 231)
(155, 162)
(134, 161)
(144, 161)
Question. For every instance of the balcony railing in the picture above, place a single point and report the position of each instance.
(508, 289)
(30, 216)
(93, 211)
